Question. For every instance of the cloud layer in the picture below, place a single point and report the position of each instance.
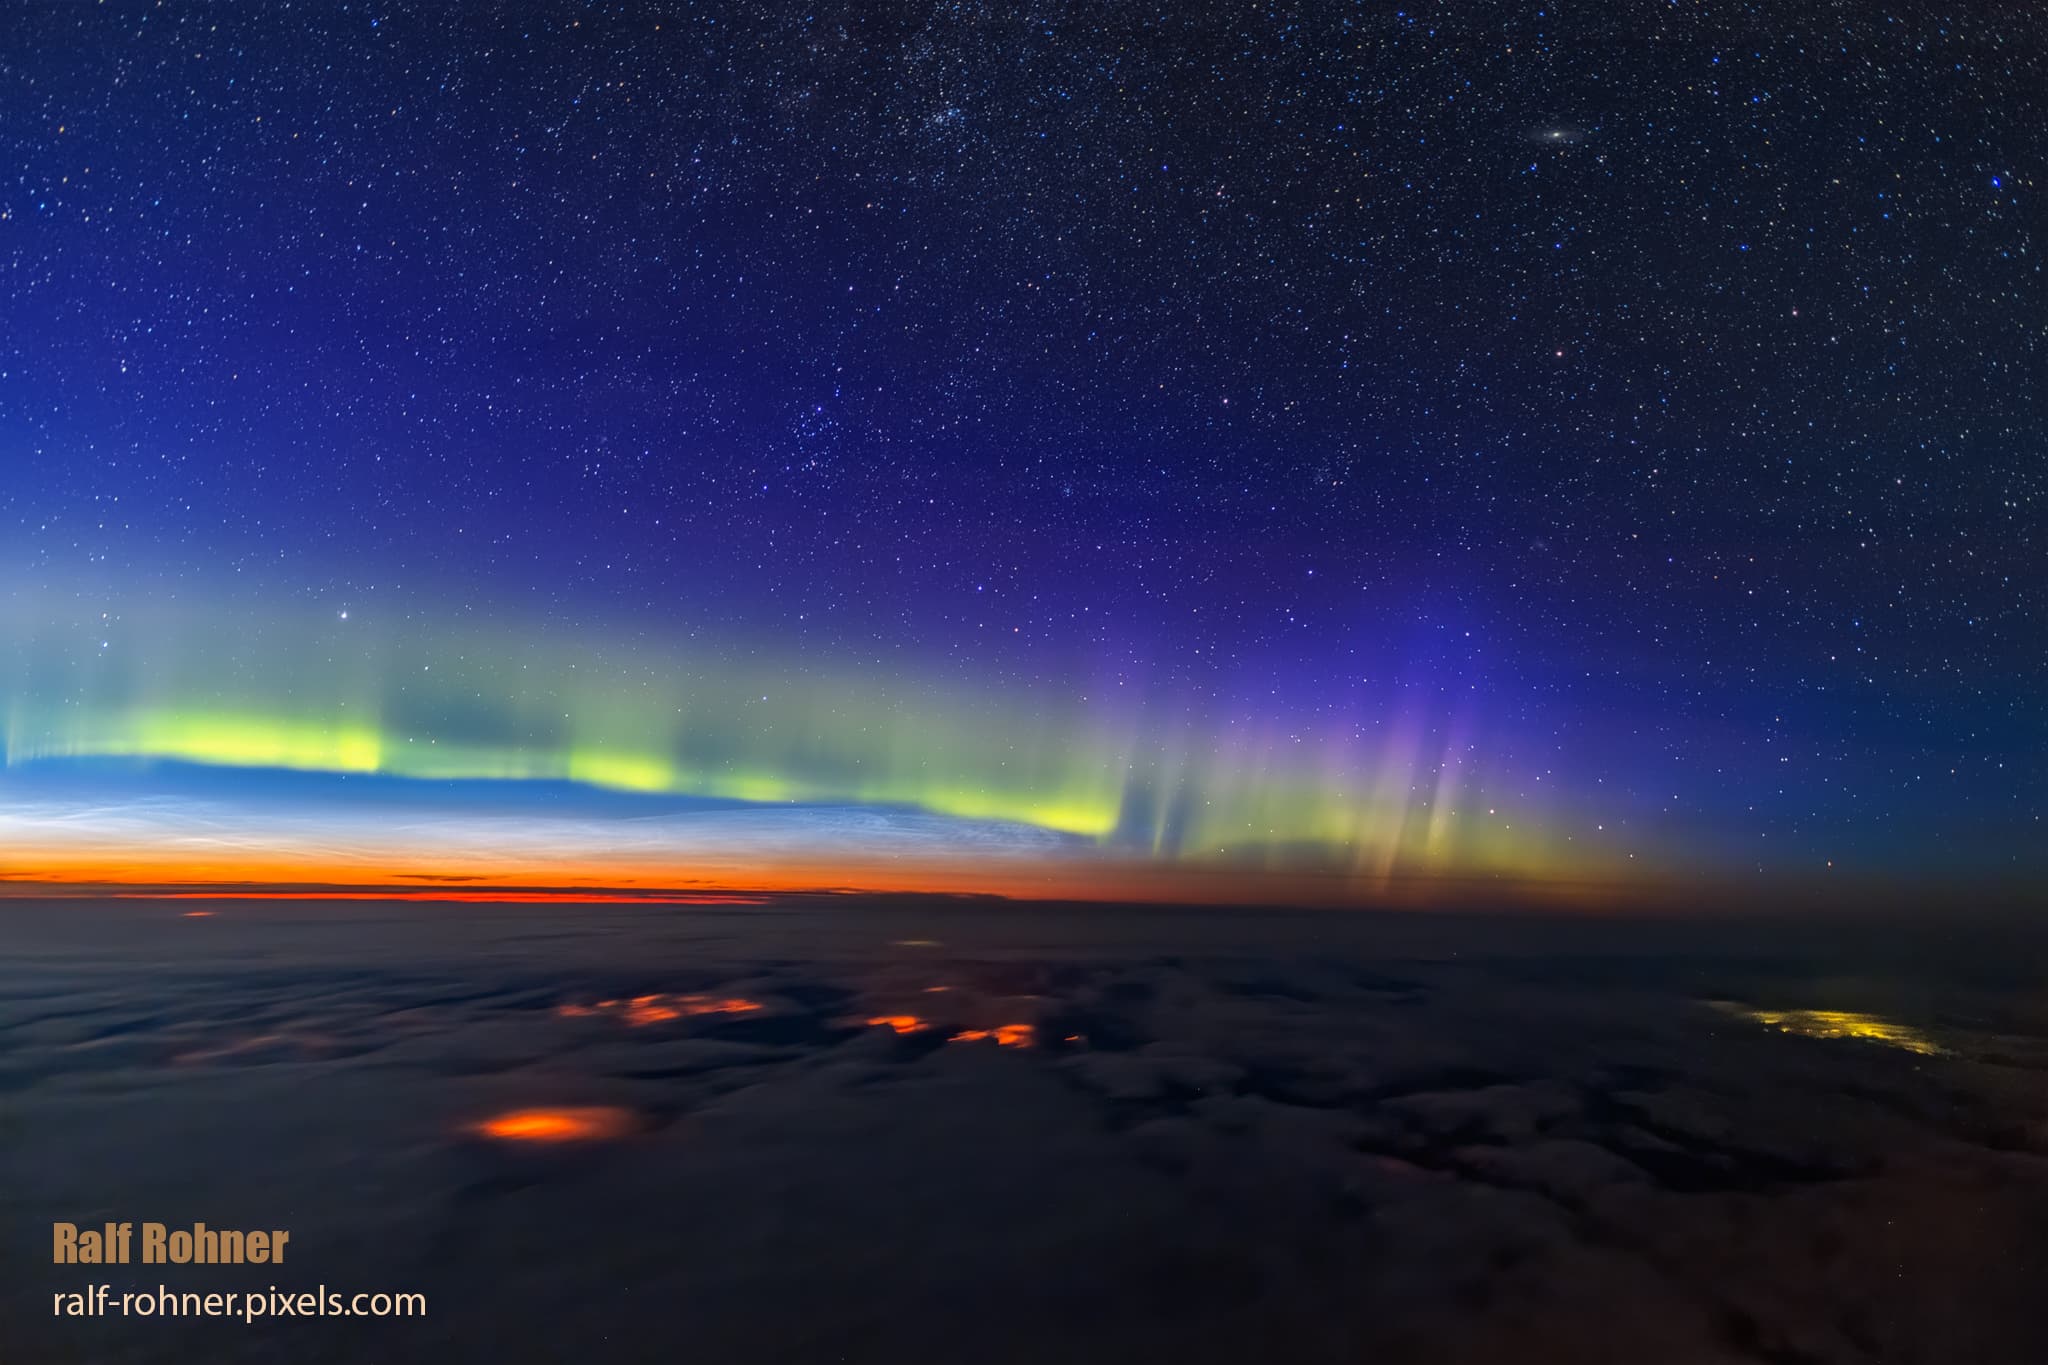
(1203, 1137)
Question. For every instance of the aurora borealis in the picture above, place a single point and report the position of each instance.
(175, 744)
(1368, 458)
(657, 765)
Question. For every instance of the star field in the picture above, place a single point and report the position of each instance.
(1663, 381)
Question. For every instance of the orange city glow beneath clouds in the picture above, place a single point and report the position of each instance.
(1003, 1035)
(574, 1124)
(642, 1010)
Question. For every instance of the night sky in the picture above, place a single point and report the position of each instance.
(1339, 446)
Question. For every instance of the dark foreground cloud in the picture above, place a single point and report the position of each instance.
(932, 1133)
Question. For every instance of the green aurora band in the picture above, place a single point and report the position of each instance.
(1396, 789)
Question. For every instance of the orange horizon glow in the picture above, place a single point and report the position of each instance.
(407, 893)
(169, 874)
